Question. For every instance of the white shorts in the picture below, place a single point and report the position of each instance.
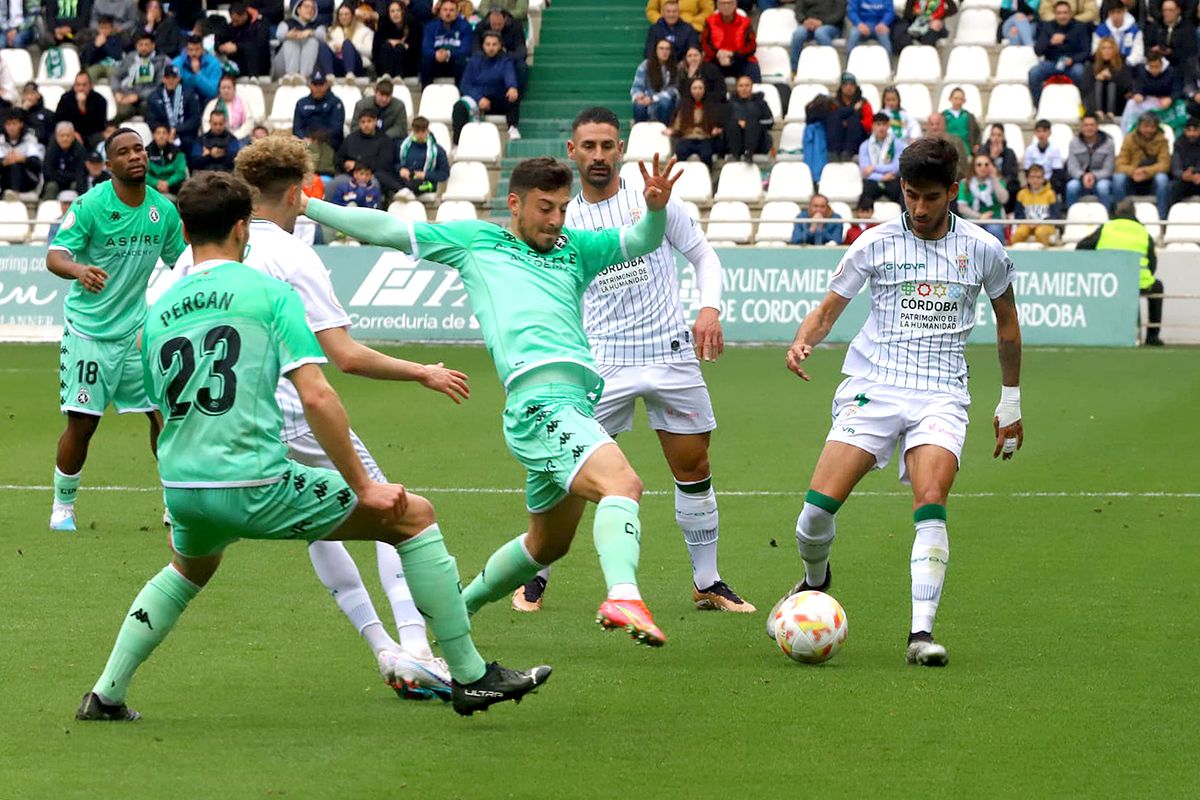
(675, 395)
(307, 450)
(875, 417)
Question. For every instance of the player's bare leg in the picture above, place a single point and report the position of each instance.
(68, 467)
(932, 470)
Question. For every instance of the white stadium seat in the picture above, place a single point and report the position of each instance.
(969, 63)
(976, 26)
(468, 181)
(919, 63)
(440, 132)
(1012, 135)
(870, 93)
(51, 95)
(1014, 64)
(633, 176)
(992, 4)
(1147, 214)
(915, 99)
(870, 64)
(790, 180)
(646, 139)
(729, 221)
(413, 210)
(694, 184)
(739, 181)
(1186, 227)
(437, 101)
(1169, 134)
(1010, 102)
(70, 67)
(771, 98)
(1059, 103)
(404, 95)
(142, 129)
(791, 142)
(1061, 136)
(256, 104)
(886, 209)
(105, 91)
(691, 209)
(775, 63)
(283, 107)
(1083, 218)
(13, 219)
(48, 212)
(974, 102)
(842, 210)
(802, 95)
(20, 65)
(1114, 130)
(841, 181)
(479, 141)
(819, 64)
(455, 210)
(776, 221)
(775, 27)
(349, 94)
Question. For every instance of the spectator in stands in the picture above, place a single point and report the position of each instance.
(674, 29)
(961, 122)
(517, 9)
(904, 127)
(94, 172)
(864, 209)
(350, 42)
(466, 9)
(1003, 158)
(694, 12)
(301, 37)
(879, 161)
(694, 66)
(260, 132)
(217, 146)
(66, 21)
(729, 42)
(138, 76)
(923, 22)
(1091, 159)
(1175, 37)
(163, 28)
(18, 25)
(423, 162)
(446, 45)
(245, 41)
(397, 43)
(177, 107)
(512, 42)
(63, 167)
(489, 86)
(654, 91)
(818, 21)
(320, 110)
(1185, 163)
(1086, 12)
(368, 145)
(39, 118)
(322, 152)
(1156, 85)
(83, 108)
(849, 119)
(870, 19)
(324, 10)
(1107, 83)
(1044, 152)
(1144, 163)
(935, 125)
(21, 156)
(1063, 45)
(698, 124)
(1120, 26)
(1037, 202)
(103, 52)
(238, 118)
(391, 117)
(981, 198)
(123, 13)
(748, 128)
(360, 190)
(1125, 232)
(166, 167)
(822, 229)
(199, 69)
(1017, 18)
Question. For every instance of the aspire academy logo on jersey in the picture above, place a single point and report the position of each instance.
(398, 280)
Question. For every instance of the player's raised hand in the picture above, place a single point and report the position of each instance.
(1008, 439)
(92, 278)
(796, 355)
(659, 184)
(450, 382)
(707, 335)
(389, 500)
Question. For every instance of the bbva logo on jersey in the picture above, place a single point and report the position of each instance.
(398, 280)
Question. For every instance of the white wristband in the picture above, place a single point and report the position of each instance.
(1009, 409)
(1010, 394)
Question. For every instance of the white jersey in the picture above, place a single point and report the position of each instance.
(922, 301)
(632, 313)
(281, 255)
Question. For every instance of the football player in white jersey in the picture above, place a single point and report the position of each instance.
(276, 167)
(643, 348)
(907, 374)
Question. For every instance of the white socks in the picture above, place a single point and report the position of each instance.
(930, 555)
(696, 513)
(815, 529)
(337, 571)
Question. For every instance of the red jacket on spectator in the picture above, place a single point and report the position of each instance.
(736, 36)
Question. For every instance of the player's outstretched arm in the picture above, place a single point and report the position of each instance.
(355, 358)
(647, 235)
(1010, 433)
(364, 224)
(61, 264)
(813, 330)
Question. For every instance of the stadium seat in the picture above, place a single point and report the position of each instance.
(841, 181)
(437, 100)
(1184, 223)
(919, 64)
(1059, 103)
(739, 181)
(404, 95)
(51, 95)
(691, 209)
(440, 132)
(886, 209)
(13, 219)
(349, 94)
(1114, 130)
(915, 99)
(976, 26)
(1083, 217)
(842, 210)
(790, 180)
(775, 63)
(775, 27)
(729, 221)
(1014, 64)
(974, 102)
(1169, 134)
(1012, 134)
(468, 181)
(48, 212)
(646, 139)
(70, 68)
(791, 142)
(20, 65)
(1147, 214)
(771, 98)
(143, 131)
(256, 103)
(992, 4)
(455, 210)
(105, 91)
(870, 93)
(969, 63)
(1010, 102)
(819, 64)
(802, 95)
(776, 221)
(283, 106)
(870, 64)
(480, 141)
(1061, 136)
(1182, 247)
(413, 210)
(633, 176)
(694, 184)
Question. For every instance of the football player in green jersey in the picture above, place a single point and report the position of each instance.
(526, 286)
(108, 244)
(213, 350)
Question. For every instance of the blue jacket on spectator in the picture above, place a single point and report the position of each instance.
(810, 233)
(368, 196)
(871, 12)
(159, 107)
(327, 114)
(455, 37)
(681, 35)
(488, 77)
(1167, 83)
(205, 81)
(1077, 45)
(414, 160)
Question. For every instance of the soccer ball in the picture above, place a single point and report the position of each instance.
(810, 627)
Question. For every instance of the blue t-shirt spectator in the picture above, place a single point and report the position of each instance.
(817, 232)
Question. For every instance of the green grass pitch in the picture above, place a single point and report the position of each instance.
(1069, 613)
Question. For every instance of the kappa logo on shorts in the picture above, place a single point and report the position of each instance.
(299, 482)
(302, 526)
(551, 466)
(287, 476)
(320, 489)
(577, 451)
(83, 398)
(553, 426)
(344, 496)
(541, 416)
(531, 410)
(566, 437)
(154, 217)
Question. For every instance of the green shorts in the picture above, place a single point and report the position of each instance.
(96, 373)
(308, 503)
(550, 429)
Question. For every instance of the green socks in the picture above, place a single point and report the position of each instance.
(618, 535)
(509, 567)
(66, 487)
(433, 578)
(151, 617)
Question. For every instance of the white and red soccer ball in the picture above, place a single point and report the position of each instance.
(810, 627)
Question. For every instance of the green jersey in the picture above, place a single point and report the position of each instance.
(213, 350)
(126, 242)
(528, 303)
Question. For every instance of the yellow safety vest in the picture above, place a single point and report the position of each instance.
(1132, 236)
